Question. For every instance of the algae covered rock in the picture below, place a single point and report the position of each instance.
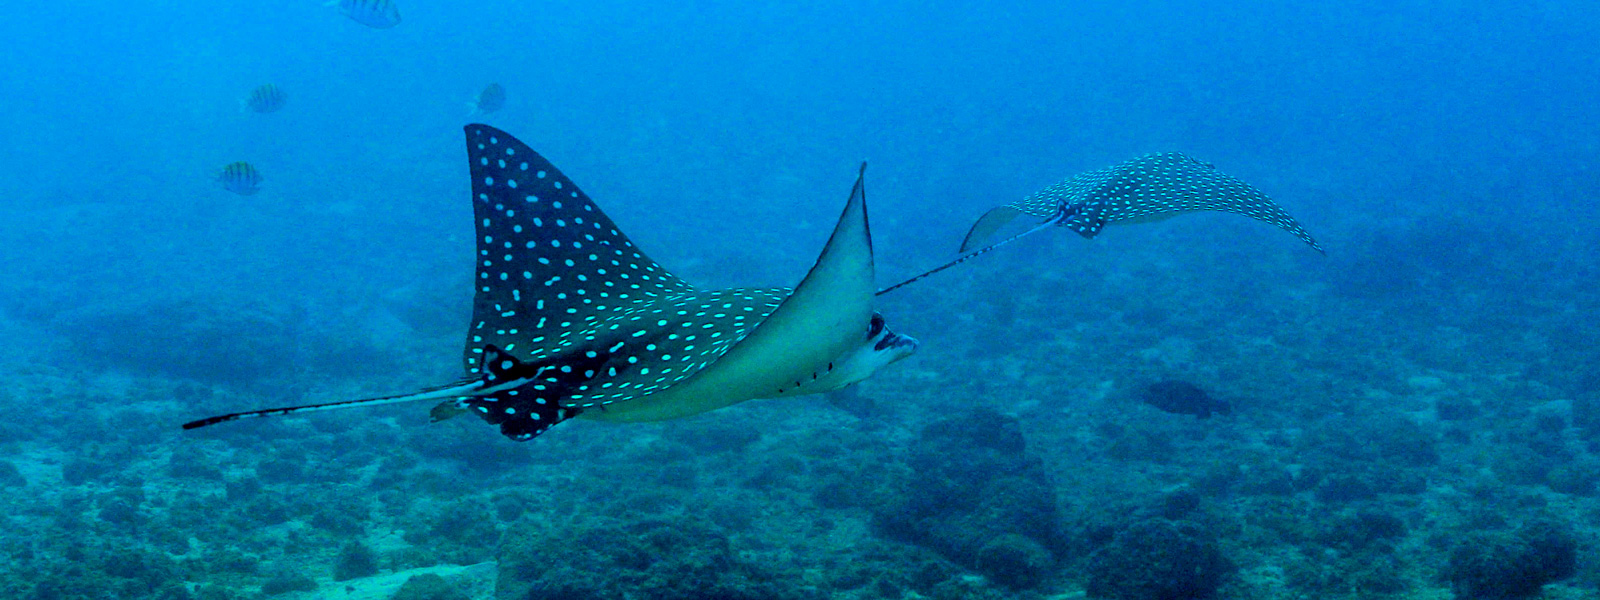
(1158, 559)
(10, 476)
(287, 580)
(603, 558)
(1508, 566)
(1014, 561)
(220, 338)
(355, 560)
(244, 340)
(1184, 398)
(979, 498)
(428, 586)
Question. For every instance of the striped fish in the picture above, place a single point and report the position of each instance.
(572, 320)
(240, 178)
(491, 99)
(266, 98)
(377, 14)
(1145, 189)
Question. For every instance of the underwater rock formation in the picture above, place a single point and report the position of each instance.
(288, 580)
(979, 498)
(603, 558)
(428, 586)
(218, 341)
(10, 476)
(1158, 559)
(1508, 566)
(355, 560)
(1184, 398)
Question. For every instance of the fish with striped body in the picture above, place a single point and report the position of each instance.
(491, 99)
(266, 98)
(570, 319)
(377, 14)
(240, 178)
(1149, 188)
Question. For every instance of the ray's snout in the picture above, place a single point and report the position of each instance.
(885, 339)
(880, 348)
(901, 345)
(898, 342)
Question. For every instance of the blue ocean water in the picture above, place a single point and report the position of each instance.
(1413, 414)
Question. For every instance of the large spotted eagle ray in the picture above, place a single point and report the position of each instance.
(1149, 188)
(570, 319)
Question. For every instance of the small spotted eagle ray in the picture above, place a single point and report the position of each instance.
(570, 319)
(1145, 189)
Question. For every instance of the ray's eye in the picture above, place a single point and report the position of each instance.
(876, 327)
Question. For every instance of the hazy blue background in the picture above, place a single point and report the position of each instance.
(1443, 152)
(748, 116)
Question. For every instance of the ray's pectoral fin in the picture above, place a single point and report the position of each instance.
(822, 336)
(987, 225)
(836, 294)
(525, 399)
(823, 319)
(826, 335)
(1087, 225)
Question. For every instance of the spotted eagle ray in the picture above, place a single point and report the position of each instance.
(1146, 189)
(570, 319)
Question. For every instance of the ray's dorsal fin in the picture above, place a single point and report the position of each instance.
(549, 261)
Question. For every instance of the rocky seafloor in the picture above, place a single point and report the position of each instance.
(1372, 447)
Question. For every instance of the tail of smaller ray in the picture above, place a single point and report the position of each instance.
(1150, 187)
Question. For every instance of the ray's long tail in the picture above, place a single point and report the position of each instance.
(971, 254)
(441, 393)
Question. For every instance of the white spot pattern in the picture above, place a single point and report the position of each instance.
(587, 302)
(538, 253)
(1154, 184)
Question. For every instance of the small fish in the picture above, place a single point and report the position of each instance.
(265, 99)
(377, 14)
(491, 99)
(240, 178)
(570, 319)
(1149, 188)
